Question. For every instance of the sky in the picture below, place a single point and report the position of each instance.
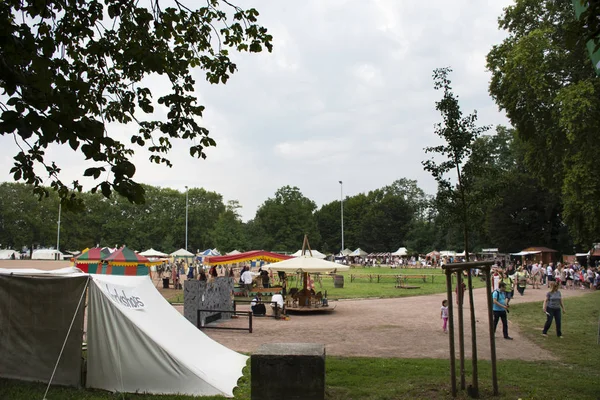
(346, 95)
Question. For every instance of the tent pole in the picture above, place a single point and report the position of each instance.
(66, 338)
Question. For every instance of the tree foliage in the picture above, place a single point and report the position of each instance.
(285, 219)
(458, 133)
(70, 70)
(542, 77)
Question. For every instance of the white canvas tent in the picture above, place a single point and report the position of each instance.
(47, 254)
(402, 251)
(151, 253)
(137, 348)
(182, 253)
(9, 254)
(133, 337)
(345, 252)
(306, 264)
(315, 254)
(233, 253)
(358, 252)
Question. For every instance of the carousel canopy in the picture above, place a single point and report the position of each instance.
(315, 254)
(307, 264)
(153, 253)
(182, 253)
(247, 256)
(92, 255)
(125, 256)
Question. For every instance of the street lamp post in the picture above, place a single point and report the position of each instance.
(186, 217)
(342, 210)
(58, 232)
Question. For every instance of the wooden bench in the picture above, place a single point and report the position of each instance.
(402, 279)
(370, 277)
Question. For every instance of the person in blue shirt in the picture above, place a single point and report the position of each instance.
(500, 309)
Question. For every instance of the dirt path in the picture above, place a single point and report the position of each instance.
(408, 327)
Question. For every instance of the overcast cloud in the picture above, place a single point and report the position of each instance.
(347, 94)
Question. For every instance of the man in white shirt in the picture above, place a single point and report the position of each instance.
(277, 304)
(246, 279)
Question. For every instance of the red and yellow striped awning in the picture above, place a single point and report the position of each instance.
(247, 256)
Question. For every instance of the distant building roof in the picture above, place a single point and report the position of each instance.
(541, 249)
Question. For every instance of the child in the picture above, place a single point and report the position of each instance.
(444, 315)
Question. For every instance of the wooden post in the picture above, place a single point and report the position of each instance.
(461, 328)
(451, 331)
(475, 383)
(488, 285)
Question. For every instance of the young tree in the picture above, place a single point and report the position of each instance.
(458, 132)
(70, 68)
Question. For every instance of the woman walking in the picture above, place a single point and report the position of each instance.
(553, 304)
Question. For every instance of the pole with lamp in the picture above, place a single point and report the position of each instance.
(186, 217)
(342, 210)
(58, 232)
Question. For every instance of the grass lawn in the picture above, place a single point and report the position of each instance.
(363, 287)
(573, 376)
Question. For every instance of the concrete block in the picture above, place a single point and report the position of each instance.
(290, 371)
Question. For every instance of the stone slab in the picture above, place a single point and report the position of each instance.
(291, 371)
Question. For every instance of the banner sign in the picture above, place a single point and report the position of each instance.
(125, 296)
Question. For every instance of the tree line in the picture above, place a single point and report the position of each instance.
(513, 211)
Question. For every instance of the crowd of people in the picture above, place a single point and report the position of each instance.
(535, 275)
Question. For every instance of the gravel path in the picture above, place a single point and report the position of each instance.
(408, 327)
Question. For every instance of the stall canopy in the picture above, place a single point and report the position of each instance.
(233, 253)
(182, 253)
(247, 256)
(306, 264)
(358, 253)
(153, 253)
(124, 262)
(9, 254)
(210, 253)
(90, 259)
(315, 254)
(47, 254)
(402, 251)
(345, 252)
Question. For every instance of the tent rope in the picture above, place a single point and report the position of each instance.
(66, 338)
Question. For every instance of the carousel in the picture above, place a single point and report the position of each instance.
(306, 300)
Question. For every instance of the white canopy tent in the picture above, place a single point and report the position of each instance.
(315, 254)
(358, 253)
(233, 253)
(525, 253)
(402, 251)
(183, 253)
(47, 254)
(9, 254)
(151, 253)
(306, 264)
(345, 252)
(128, 321)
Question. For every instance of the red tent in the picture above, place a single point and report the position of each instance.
(247, 256)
